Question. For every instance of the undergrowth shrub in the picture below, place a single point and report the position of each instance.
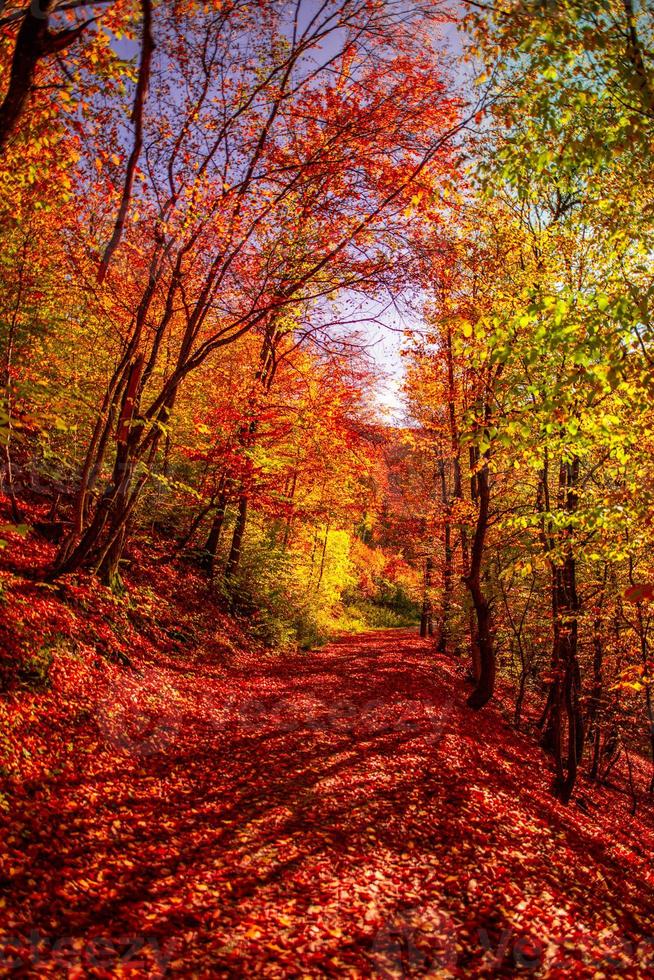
(34, 671)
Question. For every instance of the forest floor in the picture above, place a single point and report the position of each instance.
(334, 813)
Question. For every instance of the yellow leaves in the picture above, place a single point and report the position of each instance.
(413, 204)
(633, 678)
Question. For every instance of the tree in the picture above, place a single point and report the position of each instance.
(285, 201)
(35, 49)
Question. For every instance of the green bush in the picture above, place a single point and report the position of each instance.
(34, 671)
(290, 598)
(370, 615)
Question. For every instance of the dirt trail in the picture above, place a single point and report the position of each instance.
(335, 813)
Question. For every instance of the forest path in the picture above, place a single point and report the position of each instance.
(334, 813)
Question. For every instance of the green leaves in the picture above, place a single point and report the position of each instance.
(22, 530)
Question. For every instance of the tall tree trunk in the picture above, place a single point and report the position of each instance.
(102, 540)
(234, 558)
(457, 494)
(289, 516)
(647, 680)
(7, 385)
(208, 560)
(593, 721)
(485, 686)
(426, 616)
(547, 722)
(446, 603)
(567, 719)
(323, 555)
(263, 382)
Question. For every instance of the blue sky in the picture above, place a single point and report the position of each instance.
(386, 344)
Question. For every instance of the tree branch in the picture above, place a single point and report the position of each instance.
(147, 49)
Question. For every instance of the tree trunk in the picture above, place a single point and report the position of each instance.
(29, 49)
(102, 541)
(593, 722)
(519, 701)
(647, 680)
(7, 385)
(143, 81)
(237, 537)
(213, 539)
(446, 604)
(567, 715)
(635, 56)
(426, 620)
(34, 42)
(546, 722)
(485, 686)
(323, 555)
(289, 517)
(457, 494)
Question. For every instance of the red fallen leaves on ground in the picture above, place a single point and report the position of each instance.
(219, 810)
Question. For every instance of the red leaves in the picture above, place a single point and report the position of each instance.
(640, 593)
(329, 811)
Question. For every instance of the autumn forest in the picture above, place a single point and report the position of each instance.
(326, 488)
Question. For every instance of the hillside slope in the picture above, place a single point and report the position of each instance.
(232, 812)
